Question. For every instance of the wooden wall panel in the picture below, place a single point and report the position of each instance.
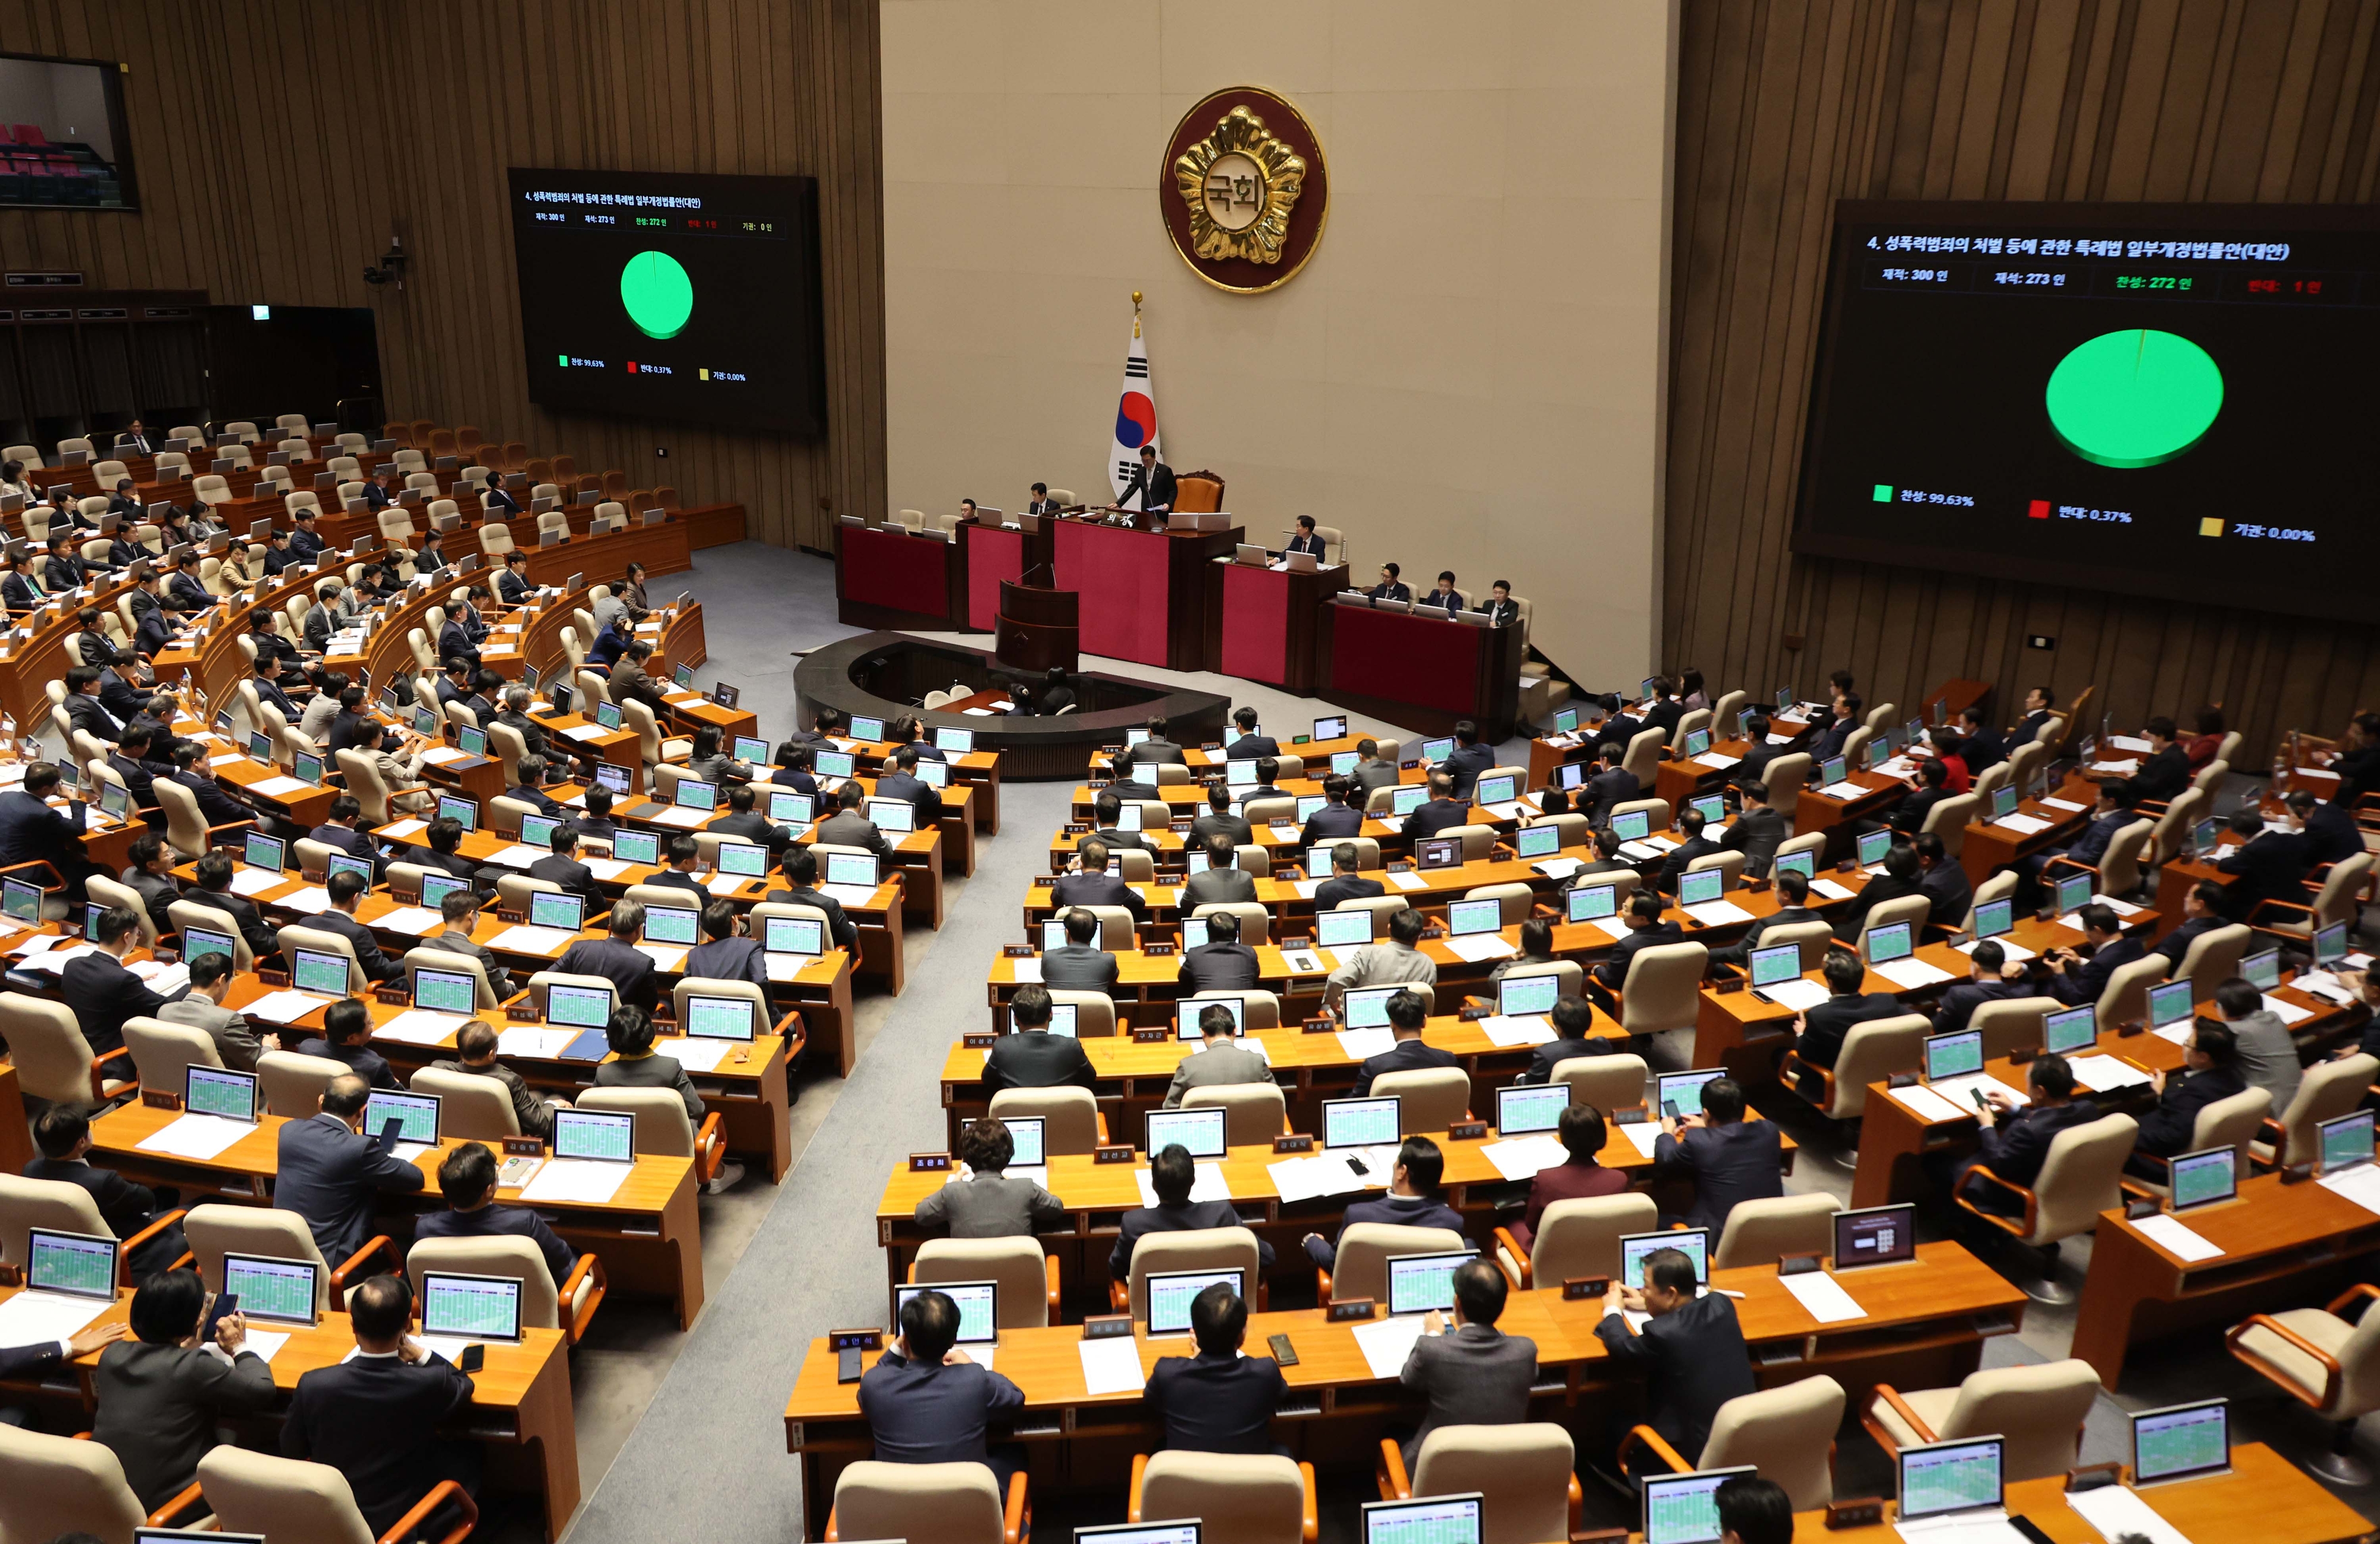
(1787, 105)
(280, 143)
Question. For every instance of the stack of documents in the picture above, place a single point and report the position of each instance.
(2102, 1074)
(248, 881)
(523, 939)
(199, 1137)
(420, 1026)
(2172, 1236)
(1523, 1029)
(286, 1006)
(1912, 973)
(415, 920)
(1363, 1044)
(1824, 1298)
(1522, 1156)
(1801, 994)
(576, 1179)
(528, 1041)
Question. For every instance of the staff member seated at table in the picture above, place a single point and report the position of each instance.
(1612, 786)
(444, 836)
(63, 1134)
(1468, 760)
(213, 873)
(1408, 1015)
(1078, 964)
(726, 953)
(793, 767)
(1695, 846)
(2166, 770)
(562, 865)
(1220, 1059)
(1172, 1174)
(160, 1395)
(467, 1177)
(2076, 977)
(1222, 880)
(1647, 928)
(1336, 818)
(1577, 1177)
(1092, 885)
(1398, 961)
(848, 828)
(1412, 1201)
(1903, 872)
(1028, 1056)
(1728, 1158)
(1474, 1373)
(1792, 906)
(347, 1037)
(2014, 1143)
(1219, 819)
(1691, 1350)
(900, 781)
(1347, 880)
(800, 868)
(1157, 750)
(984, 1202)
(1121, 782)
(1573, 1016)
(2209, 1073)
(927, 1401)
(347, 891)
(1373, 769)
(1107, 823)
(2271, 863)
(678, 871)
(475, 1054)
(1223, 962)
(1441, 811)
(328, 1172)
(1992, 976)
(530, 790)
(619, 961)
(1537, 948)
(1391, 586)
(1219, 1401)
(1251, 745)
(98, 988)
(745, 822)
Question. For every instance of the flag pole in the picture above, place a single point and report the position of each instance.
(1136, 313)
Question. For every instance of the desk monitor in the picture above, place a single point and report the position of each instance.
(1958, 1053)
(1586, 902)
(977, 1302)
(1465, 918)
(1684, 1090)
(2182, 1441)
(195, 941)
(1775, 963)
(322, 971)
(1517, 995)
(637, 847)
(1873, 846)
(2205, 1177)
(272, 1290)
(1498, 789)
(607, 717)
(865, 729)
(536, 831)
(470, 741)
(1438, 852)
(2070, 1029)
(1344, 762)
(550, 908)
(1565, 721)
(417, 1115)
(577, 1007)
(1935, 1478)
(789, 808)
(259, 746)
(2346, 1142)
(1692, 1243)
(682, 675)
(1241, 774)
(1571, 775)
(462, 812)
(1698, 741)
(606, 1135)
(792, 935)
(1434, 751)
(2003, 801)
(1053, 934)
(2170, 1002)
(1128, 817)
(678, 925)
(471, 1308)
(1361, 1122)
(2205, 836)
(1832, 771)
(960, 740)
(81, 1265)
(1536, 842)
(1171, 1293)
(933, 774)
(1419, 1284)
(2262, 968)
(1331, 728)
(2074, 893)
(1432, 1520)
(751, 750)
(437, 887)
(692, 792)
(1894, 940)
(1190, 1010)
(1994, 917)
(1308, 804)
(1368, 1007)
(1684, 1508)
(1875, 1236)
(1879, 750)
(260, 851)
(857, 868)
(1632, 825)
(1201, 1130)
(1120, 1533)
(444, 991)
(345, 863)
(221, 1092)
(2329, 945)
(1712, 806)
(114, 799)
(1345, 928)
(425, 723)
(745, 860)
(1027, 1136)
(1522, 1108)
(610, 774)
(1406, 798)
(1700, 886)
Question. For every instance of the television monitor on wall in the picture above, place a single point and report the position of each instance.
(63, 141)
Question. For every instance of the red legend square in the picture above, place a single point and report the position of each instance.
(2037, 510)
(632, 369)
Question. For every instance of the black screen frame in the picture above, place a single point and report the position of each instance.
(119, 128)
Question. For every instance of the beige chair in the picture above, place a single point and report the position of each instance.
(2337, 900)
(2227, 1123)
(1815, 938)
(1644, 756)
(218, 1228)
(289, 1497)
(2213, 958)
(1518, 898)
(1787, 1433)
(1576, 1238)
(1912, 909)
(2081, 1177)
(2173, 827)
(56, 1486)
(1188, 1249)
(186, 830)
(2012, 1022)
(53, 1062)
(1655, 812)
(2327, 1364)
(1247, 1497)
(2001, 886)
(1871, 1052)
(1253, 1113)
(664, 1127)
(27, 1204)
(1027, 1279)
(296, 936)
(1071, 1118)
(1854, 751)
(483, 993)
(1523, 1473)
(1663, 988)
(1361, 1268)
(1094, 1011)
(1759, 1232)
(2125, 999)
(469, 1105)
(521, 1260)
(1609, 1083)
(2119, 866)
(163, 1054)
(293, 1083)
(2328, 1091)
(1429, 1099)
(949, 1503)
(1256, 921)
(1948, 820)
(2037, 1411)
(1785, 779)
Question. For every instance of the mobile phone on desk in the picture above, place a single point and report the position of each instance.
(1282, 1352)
(471, 1358)
(1669, 1107)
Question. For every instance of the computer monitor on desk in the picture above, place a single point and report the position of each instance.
(1432, 1520)
(1171, 1293)
(1684, 1508)
(2182, 1441)
(1938, 1479)
(977, 1302)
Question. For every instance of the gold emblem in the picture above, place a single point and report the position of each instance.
(1241, 183)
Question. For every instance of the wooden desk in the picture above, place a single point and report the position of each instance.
(916, 866)
(16, 1128)
(1816, 811)
(1988, 846)
(1678, 781)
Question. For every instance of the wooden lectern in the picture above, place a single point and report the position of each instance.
(1037, 628)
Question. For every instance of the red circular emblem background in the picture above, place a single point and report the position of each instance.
(1305, 220)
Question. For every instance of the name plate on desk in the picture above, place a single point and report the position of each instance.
(1474, 1012)
(975, 1039)
(1579, 1288)
(523, 1014)
(1160, 950)
(524, 1147)
(1118, 1152)
(161, 1099)
(395, 996)
(929, 1162)
(1467, 1131)
(1320, 1025)
(1341, 1313)
(1016, 951)
(1078, 828)
(1108, 1327)
(1867, 1513)
(1151, 1035)
(1293, 1144)
(272, 978)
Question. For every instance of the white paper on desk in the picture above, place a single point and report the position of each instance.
(2287, 1012)
(266, 1343)
(1928, 1105)
(2103, 1074)
(2067, 805)
(1641, 1134)
(312, 899)
(1643, 852)
(413, 1152)
(696, 1055)
(1830, 890)
(1307, 887)
(1522, 1156)
(2010, 954)
(1338, 956)
(226, 760)
(442, 755)
(164, 979)
(1611, 928)
(2116, 1511)
(1713, 758)
(586, 731)
(1959, 1091)
(2359, 1184)
(1302, 962)
(1511, 810)
(415, 920)
(1525, 1029)
(2177, 1033)
(1824, 1298)
(37, 1318)
(1336, 1177)
(1386, 1343)
(420, 1026)
(1297, 1179)
(524, 1041)
(1558, 868)
(275, 787)
(1718, 914)
(1985, 1525)
(2116, 768)
(849, 895)
(286, 1006)
(1210, 1184)
(1477, 947)
(681, 816)
(2175, 1237)
(2129, 742)
(2023, 825)
(1845, 791)
(1027, 971)
(515, 856)
(1898, 766)
(1801, 994)
(665, 957)
(403, 829)
(1408, 880)
(1360, 1045)
(2323, 984)
(525, 940)
(1775, 738)
(1111, 1365)
(605, 868)
(199, 1137)
(248, 881)
(1912, 973)
(575, 1179)
(722, 884)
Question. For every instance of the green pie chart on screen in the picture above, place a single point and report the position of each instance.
(2134, 398)
(658, 295)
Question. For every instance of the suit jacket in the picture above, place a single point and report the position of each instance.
(653, 1071)
(1252, 748)
(1411, 1055)
(1879, 888)
(2167, 1130)
(1375, 774)
(1553, 1053)
(917, 791)
(1826, 1026)
(1502, 613)
(1727, 1164)
(2272, 866)
(1403, 1211)
(1474, 1375)
(922, 1414)
(752, 826)
(125, 1208)
(236, 1039)
(1158, 751)
(373, 1420)
(1596, 798)
(361, 1060)
(1189, 1217)
(1384, 964)
(2331, 835)
(1567, 1180)
(1783, 917)
(1464, 764)
(1613, 971)
(2015, 1145)
(992, 1206)
(1090, 889)
(1213, 886)
(1036, 1059)
(2268, 1057)
(502, 1222)
(1694, 1361)
(1218, 968)
(728, 959)
(2087, 982)
(1209, 1067)
(103, 995)
(672, 879)
(1756, 833)
(1829, 743)
(1214, 1403)
(2161, 776)
(1079, 968)
(536, 1117)
(1435, 816)
(377, 966)
(1953, 895)
(848, 828)
(18, 592)
(843, 931)
(159, 1407)
(353, 842)
(84, 711)
(1154, 484)
(1328, 823)
(573, 876)
(1958, 1003)
(511, 588)
(28, 1363)
(1210, 824)
(1673, 867)
(1910, 814)
(623, 965)
(1340, 888)
(2176, 945)
(243, 915)
(1390, 591)
(329, 1175)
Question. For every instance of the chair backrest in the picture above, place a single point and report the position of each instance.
(1381, 907)
(1912, 909)
(162, 1053)
(1729, 862)
(215, 1228)
(951, 1503)
(1872, 1053)
(45, 1041)
(662, 1125)
(1784, 780)
(2213, 958)
(1999, 887)
(186, 828)
(1582, 1237)
(2232, 1123)
(2337, 899)
(1253, 1113)
(2081, 1177)
(1813, 936)
(1247, 1497)
(1663, 988)
(27, 1204)
(293, 1083)
(2210, 777)
(2328, 1091)
(1787, 1433)
(2125, 998)
(366, 783)
(1948, 820)
(1517, 898)
(1430, 1099)
(1644, 756)
(280, 1498)
(2010, 1023)
(1655, 812)
(494, 1255)
(1523, 1472)
(1613, 1082)
(471, 1105)
(2037, 1411)
(1094, 1011)
(1016, 1264)
(1758, 1231)
(1070, 1116)
(2172, 828)
(294, 936)
(1854, 751)
(1366, 1248)
(1256, 921)
(56, 1487)
(1190, 1250)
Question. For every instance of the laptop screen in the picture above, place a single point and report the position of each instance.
(260, 744)
(1994, 917)
(789, 808)
(435, 888)
(1465, 918)
(1438, 852)
(277, 1291)
(871, 730)
(2003, 801)
(1875, 1236)
(1345, 763)
(470, 741)
(1419, 1284)
(1434, 751)
(2181, 1440)
(1342, 929)
(1524, 1108)
(462, 812)
(834, 763)
(1494, 790)
(2070, 1029)
(2205, 1177)
(444, 991)
(317, 970)
(792, 935)
(977, 1302)
(195, 941)
(260, 851)
(1892, 941)
(1873, 846)
(607, 716)
(1191, 1010)
(550, 908)
(2330, 944)
(2074, 893)
(1956, 1055)
(536, 831)
(1368, 1007)
(470, 1307)
(1333, 728)
(417, 1115)
(1632, 825)
(1519, 995)
(1712, 808)
(900, 815)
(720, 1018)
(851, 869)
(1434, 1520)
(221, 1092)
(1683, 1509)
(637, 847)
(743, 859)
(1360, 1123)
(79, 1265)
(1171, 1293)
(1693, 1243)
(750, 750)
(934, 774)
(1406, 798)
(680, 925)
(2346, 1141)
(1536, 842)
(1702, 885)
(692, 792)
(577, 1007)
(341, 863)
(960, 740)
(610, 774)
(1589, 902)
(1200, 1131)
(2170, 1002)
(1684, 1090)
(1804, 863)
(1949, 1477)
(607, 1135)
(2262, 968)
(1779, 962)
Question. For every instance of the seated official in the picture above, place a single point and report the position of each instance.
(1106, 827)
(1468, 760)
(475, 1054)
(1123, 783)
(1992, 978)
(162, 1395)
(1219, 820)
(2202, 912)
(1691, 1350)
(408, 793)
(678, 856)
(1904, 872)
(1607, 860)
(2014, 1143)
(636, 1064)
(594, 821)
(1268, 768)
(2080, 976)
(727, 953)
(1396, 961)
(900, 781)
(848, 828)
(1223, 962)
(1372, 770)
(444, 836)
(2209, 1073)
(1157, 750)
(2165, 772)
(1942, 880)
(1220, 1059)
(100, 991)
(1694, 846)
(1218, 1401)
(1412, 1202)
(458, 914)
(1441, 811)
(1611, 786)
(1537, 948)
(1830, 739)
(1573, 1016)
(347, 1038)
(2268, 1056)
(375, 1417)
(1092, 885)
(1408, 1015)
(330, 1174)
(150, 875)
(927, 1401)
(1501, 609)
(707, 762)
(236, 1039)
(1222, 880)
(1347, 880)
(1820, 1032)
(1577, 1177)
(1172, 1173)
(467, 1177)
(1756, 1511)
(2330, 829)
(62, 1136)
(984, 1202)
(1079, 964)
(530, 790)
(214, 874)
(1029, 1056)
(1473, 1373)
(616, 958)
(339, 831)
(1755, 832)
(1933, 788)
(346, 889)
(1647, 929)
(1391, 587)
(1249, 744)
(800, 868)
(1338, 815)
(30, 832)
(1792, 906)
(1728, 1158)
(2269, 864)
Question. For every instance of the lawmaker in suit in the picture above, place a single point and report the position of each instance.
(1610, 788)
(1728, 1158)
(1980, 744)
(347, 891)
(1092, 885)
(1219, 1401)
(636, 1064)
(1691, 1350)
(1441, 811)
(1829, 742)
(213, 873)
(1819, 1033)
(1573, 1016)
(1407, 1017)
(1501, 609)
(237, 1042)
(985, 1202)
(1941, 881)
(1248, 745)
(62, 1136)
(927, 1401)
(1473, 1373)
(160, 1395)
(466, 1178)
(1445, 596)
(726, 955)
(1755, 832)
(1695, 845)
(1391, 587)
(1647, 929)
(1307, 539)
(1992, 979)
(1792, 907)
(338, 832)
(1902, 870)
(1223, 962)
(1219, 820)
(2014, 1142)
(2077, 979)
(2271, 865)
(1079, 964)
(1218, 1060)
(1468, 760)
(1347, 880)
(563, 867)
(1395, 961)
(2166, 770)
(102, 992)
(1152, 488)
(1577, 1177)
(1028, 1056)
(848, 828)
(902, 782)
(330, 1173)
(801, 871)
(2202, 913)
(1373, 769)
(1412, 1202)
(2111, 812)
(84, 711)
(2328, 826)
(1336, 818)
(1172, 1173)
(512, 586)
(347, 1037)
(1222, 880)
(2211, 1074)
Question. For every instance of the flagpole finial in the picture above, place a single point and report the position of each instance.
(1136, 299)
(1136, 313)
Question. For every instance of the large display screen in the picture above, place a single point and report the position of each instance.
(62, 144)
(2161, 399)
(690, 297)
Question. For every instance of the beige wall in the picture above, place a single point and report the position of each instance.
(1470, 373)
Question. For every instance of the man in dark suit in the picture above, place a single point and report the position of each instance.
(1661, 711)
(678, 854)
(1107, 828)
(374, 1418)
(347, 1038)
(1728, 1158)
(1572, 1018)
(30, 832)
(376, 493)
(1152, 484)
(2202, 913)
(1170, 1174)
(1933, 788)
(1219, 820)
(901, 782)
(1691, 1350)
(19, 591)
(1346, 882)
(1647, 928)
(1123, 783)
(466, 1178)
(1412, 1201)
(745, 822)
(84, 711)
(1942, 880)
(2111, 813)
(617, 959)
(2166, 770)
(1219, 1401)
(1307, 539)
(1372, 770)
(267, 682)
(726, 955)
(1250, 746)
(305, 542)
(150, 873)
(562, 867)
(1613, 784)
(161, 1395)
(118, 694)
(1473, 1373)
(1441, 812)
(1792, 907)
(1501, 609)
(347, 891)
(2038, 701)
(338, 832)
(1468, 760)
(1223, 962)
(1902, 870)
(801, 871)
(1391, 587)
(1991, 978)
(1981, 745)
(1829, 743)
(444, 836)
(2075, 979)
(63, 1134)
(1673, 867)
(1445, 597)
(1041, 503)
(1079, 964)
(1157, 750)
(102, 992)
(848, 828)
(2014, 1143)
(1222, 880)
(2328, 826)
(500, 505)
(1818, 1034)
(64, 571)
(2211, 1074)
(328, 1172)
(1028, 1056)
(1407, 1017)
(1756, 831)
(213, 873)
(512, 585)
(926, 1403)
(2271, 865)
(128, 759)
(1092, 885)
(1336, 818)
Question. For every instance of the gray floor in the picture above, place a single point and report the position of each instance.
(682, 1435)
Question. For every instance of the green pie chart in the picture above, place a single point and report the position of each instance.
(657, 293)
(2134, 398)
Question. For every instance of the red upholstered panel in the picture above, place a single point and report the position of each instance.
(992, 555)
(1409, 659)
(1256, 623)
(1121, 575)
(904, 572)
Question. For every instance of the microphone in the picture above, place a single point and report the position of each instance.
(1027, 576)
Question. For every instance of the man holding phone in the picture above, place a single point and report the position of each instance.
(330, 1171)
(2013, 1143)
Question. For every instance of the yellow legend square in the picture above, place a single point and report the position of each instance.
(706, 375)
(2210, 525)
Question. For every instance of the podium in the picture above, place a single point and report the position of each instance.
(1265, 624)
(886, 577)
(1037, 628)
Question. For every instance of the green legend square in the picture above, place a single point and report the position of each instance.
(562, 359)
(1884, 492)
